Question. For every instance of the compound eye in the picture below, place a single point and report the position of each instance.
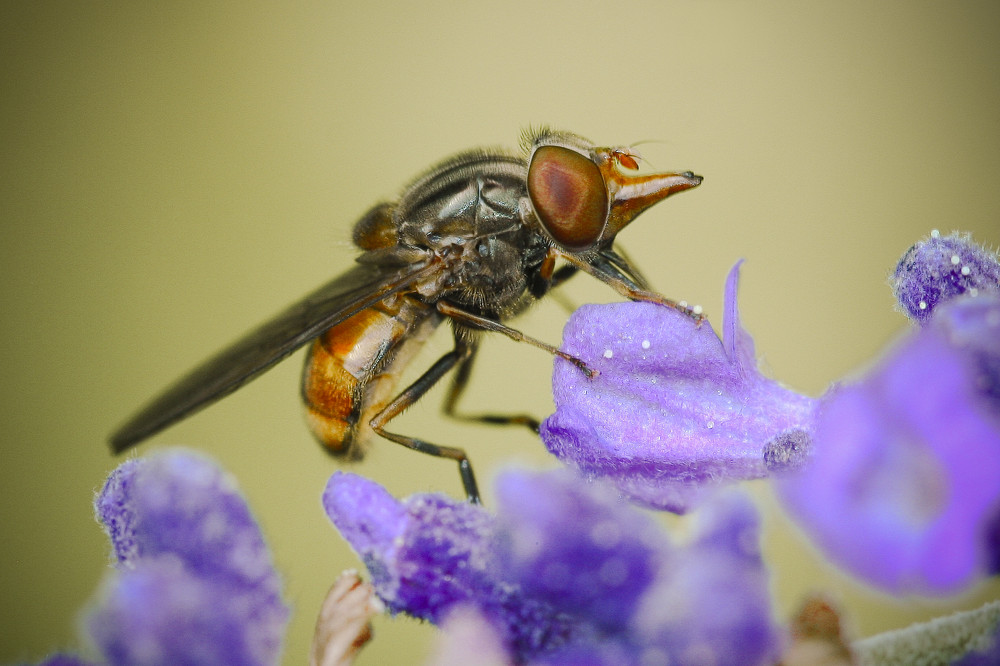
(569, 196)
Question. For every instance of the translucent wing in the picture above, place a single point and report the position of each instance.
(359, 288)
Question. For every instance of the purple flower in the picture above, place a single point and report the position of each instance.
(194, 582)
(565, 573)
(675, 410)
(647, 600)
(598, 566)
(938, 269)
(903, 486)
(430, 554)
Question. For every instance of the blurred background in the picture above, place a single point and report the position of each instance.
(175, 173)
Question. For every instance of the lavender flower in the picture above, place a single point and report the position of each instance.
(904, 483)
(940, 268)
(566, 573)
(903, 487)
(647, 600)
(675, 409)
(897, 476)
(194, 582)
(430, 554)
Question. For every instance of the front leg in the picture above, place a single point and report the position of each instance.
(486, 324)
(613, 276)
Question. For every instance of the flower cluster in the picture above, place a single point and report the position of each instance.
(896, 475)
(193, 580)
(605, 586)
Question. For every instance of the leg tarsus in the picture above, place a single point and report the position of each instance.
(457, 388)
(413, 393)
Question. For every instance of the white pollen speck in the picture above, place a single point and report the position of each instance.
(966, 270)
(955, 260)
(645, 344)
(710, 424)
(935, 233)
(608, 353)
(683, 304)
(696, 309)
(922, 305)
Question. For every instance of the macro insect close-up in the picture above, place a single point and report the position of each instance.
(475, 241)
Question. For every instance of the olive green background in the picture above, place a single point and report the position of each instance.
(173, 173)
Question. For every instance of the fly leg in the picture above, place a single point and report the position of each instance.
(465, 367)
(413, 393)
(486, 324)
(458, 387)
(608, 269)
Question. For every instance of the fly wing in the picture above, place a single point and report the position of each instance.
(359, 288)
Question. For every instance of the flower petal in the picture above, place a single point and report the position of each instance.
(568, 573)
(714, 606)
(903, 487)
(675, 410)
(596, 565)
(195, 583)
(440, 556)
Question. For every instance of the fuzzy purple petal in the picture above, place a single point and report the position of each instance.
(595, 565)
(649, 601)
(675, 410)
(941, 268)
(903, 487)
(714, 607)
(113, 509)
(972, 326)
(195, 583)
(429, 555)
(567, 573)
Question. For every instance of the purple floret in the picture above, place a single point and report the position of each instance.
(429, 555)
(941, 268)
(675, 410)
(903, 487)
(195, 583)
(566, 573)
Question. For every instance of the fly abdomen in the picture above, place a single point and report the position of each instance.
(352, 370)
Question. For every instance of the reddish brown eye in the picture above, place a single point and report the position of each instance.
(569, 196)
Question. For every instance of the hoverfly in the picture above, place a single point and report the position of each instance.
(475, 240)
